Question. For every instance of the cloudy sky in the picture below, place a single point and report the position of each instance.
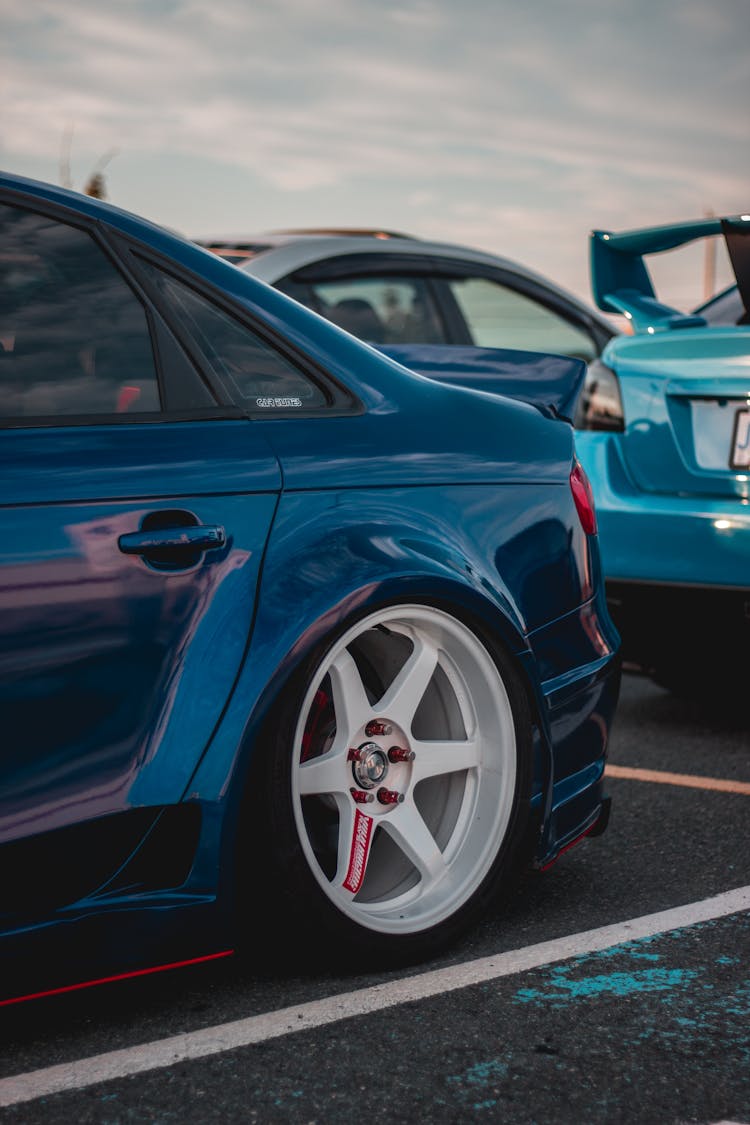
(515, 127)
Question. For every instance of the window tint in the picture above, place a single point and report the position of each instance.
(381, 310)
(250, 370)
(74, 338)
(498, 317)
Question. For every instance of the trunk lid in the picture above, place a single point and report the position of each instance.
(549, 382)
(686, 398)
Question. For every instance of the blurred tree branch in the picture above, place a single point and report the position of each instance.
(95, 185)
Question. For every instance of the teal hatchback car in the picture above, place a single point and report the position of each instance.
(664, 435)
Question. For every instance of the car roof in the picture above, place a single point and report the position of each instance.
(274, 255)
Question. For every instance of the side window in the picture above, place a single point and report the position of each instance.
(382, 310)
(251, 372)
(74, 338)
(499, 317)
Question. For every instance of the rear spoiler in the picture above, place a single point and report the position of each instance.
(621, 282)
(549, 382)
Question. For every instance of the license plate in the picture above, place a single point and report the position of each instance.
(741, 440)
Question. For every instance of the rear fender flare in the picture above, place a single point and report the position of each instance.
(490, 622)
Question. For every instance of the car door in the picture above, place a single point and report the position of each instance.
(134, 510)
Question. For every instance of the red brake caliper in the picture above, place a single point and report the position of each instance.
(320, 704)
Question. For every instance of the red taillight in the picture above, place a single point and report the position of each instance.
(584, 498)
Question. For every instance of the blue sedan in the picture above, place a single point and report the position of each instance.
(293, 638)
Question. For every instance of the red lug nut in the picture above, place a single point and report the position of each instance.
(399, 754)
(361, 796)
(378, 727)
(354, 755)
(390, 797)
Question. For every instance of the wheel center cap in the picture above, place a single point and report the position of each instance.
(371, 767)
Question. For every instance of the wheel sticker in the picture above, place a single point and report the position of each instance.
(361, 839)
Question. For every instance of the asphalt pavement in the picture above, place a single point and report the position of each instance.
(651, 1029)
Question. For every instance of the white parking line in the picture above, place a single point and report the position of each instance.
(258, 1029)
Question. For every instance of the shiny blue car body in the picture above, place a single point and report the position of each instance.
(659, 439)
(132, 696)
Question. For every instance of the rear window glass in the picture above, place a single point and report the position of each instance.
(250, 370)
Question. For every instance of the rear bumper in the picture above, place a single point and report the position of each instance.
(577, 712)
(577, 804)
(650, 537)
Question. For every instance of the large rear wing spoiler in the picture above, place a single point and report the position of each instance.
(621, 282)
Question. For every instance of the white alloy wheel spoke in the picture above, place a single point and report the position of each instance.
(350, 702)
(432, 759)
(403, 697)
(327, 774)
(409, 832)
(356, 830)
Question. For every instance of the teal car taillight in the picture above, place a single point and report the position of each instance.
(600, 402)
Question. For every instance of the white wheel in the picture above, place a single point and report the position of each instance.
(408, 775)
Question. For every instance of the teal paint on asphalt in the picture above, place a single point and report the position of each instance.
(642, 969)
(483, 1073)
(480, 1077)
(678, 1029)
(562, 989)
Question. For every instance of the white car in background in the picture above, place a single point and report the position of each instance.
(391, 289)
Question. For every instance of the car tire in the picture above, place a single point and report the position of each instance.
(395, 789)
